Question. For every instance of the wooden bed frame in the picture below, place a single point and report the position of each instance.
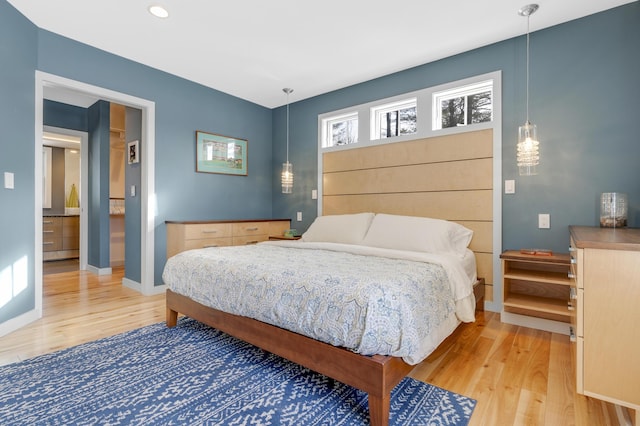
(377, 375)
(446, 177)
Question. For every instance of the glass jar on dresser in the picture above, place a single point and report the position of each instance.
(605, 269)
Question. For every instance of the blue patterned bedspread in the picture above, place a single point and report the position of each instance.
(369, 304)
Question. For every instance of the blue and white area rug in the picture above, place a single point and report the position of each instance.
(196, 375)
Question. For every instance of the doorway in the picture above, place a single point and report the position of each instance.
(147, 191)
(73, 190)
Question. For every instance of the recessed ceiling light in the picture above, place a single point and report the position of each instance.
(159, 11)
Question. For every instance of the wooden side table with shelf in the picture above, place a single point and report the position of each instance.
(536, 290)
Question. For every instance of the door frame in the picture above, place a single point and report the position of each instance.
(147, 191)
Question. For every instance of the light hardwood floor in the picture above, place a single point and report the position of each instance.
(518, 375)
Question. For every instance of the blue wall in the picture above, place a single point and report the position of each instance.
(584, 91)
(133, 205)
(18, 56)
(99, 119)
(65, 116)
(182, 107)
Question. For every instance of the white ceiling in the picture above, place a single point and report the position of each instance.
(252, 49)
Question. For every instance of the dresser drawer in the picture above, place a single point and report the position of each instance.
(250, 228)
(207, 231)
(183, 236)
(249, 239)
(207, 242)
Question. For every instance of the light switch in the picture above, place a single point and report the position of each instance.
(299, 216)
(8, 180)
(133, 190)
(510, 186)
(544, 222)
(314, 194)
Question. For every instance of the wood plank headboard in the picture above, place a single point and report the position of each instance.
(445, 177)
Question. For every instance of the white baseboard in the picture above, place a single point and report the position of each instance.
(99, 271)
(20, 321)
(537, 323)
(157, 289)
(134, 285)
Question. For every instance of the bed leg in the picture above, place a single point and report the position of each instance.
(172, 317)
(379, 410)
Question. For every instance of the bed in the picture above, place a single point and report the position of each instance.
(361, 297)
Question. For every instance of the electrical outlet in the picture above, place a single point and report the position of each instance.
(544, 222)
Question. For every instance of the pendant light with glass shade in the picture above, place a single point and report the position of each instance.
(528, 154)
(287, 168)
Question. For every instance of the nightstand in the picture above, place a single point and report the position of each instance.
(536, 290)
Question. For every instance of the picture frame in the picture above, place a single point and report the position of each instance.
(133, 154)
(220, 154)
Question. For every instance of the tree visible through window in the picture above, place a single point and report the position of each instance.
(466, 110)
(464, 106)
(345, 132)
(396, 119)
(341, 130)
(390, 125)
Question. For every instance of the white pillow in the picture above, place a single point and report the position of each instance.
(418, 234)
(343, 228)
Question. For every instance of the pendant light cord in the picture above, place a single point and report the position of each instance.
(528, 17)
(288, 126)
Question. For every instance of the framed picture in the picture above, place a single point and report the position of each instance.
(132, 152)
(220, 154)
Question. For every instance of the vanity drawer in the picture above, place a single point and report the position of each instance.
(51, 233)
(52, 225)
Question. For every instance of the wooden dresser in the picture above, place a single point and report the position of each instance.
(605, 269)
(183, 236)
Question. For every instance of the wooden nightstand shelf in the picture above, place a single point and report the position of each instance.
(536, 290)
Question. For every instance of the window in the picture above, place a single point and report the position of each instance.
(457, 106)
(395, 119)
(340, 130)
(462, 106)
